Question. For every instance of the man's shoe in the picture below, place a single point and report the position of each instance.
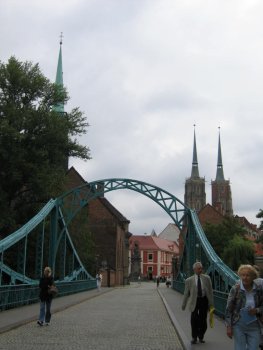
(194, 341)
(201, 341)
(40, 323)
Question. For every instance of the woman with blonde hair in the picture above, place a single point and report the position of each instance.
(244, 305)
(45, 298)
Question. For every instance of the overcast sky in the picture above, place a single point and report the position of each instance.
(145, 71)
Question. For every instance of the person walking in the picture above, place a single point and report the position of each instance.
(244, 306)
(198, 293)
(157, 281)
(45, 298)
(99, 280)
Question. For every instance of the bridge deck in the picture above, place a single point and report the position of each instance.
(123, 318)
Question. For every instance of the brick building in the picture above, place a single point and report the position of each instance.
(109, 232)
(209, 214)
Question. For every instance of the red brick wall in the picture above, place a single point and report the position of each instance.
(209, 214)
(107, 233)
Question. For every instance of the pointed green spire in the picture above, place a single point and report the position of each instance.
(219, 172)
(195, 170)
(59, 77)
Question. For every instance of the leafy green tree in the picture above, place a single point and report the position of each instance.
(229, 242)
(260, 216)
(238, 251)
(34, 141)
(220, 235)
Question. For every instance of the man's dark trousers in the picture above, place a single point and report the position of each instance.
(199, 318)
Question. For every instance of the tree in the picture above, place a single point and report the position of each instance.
(238, 251)
(34, 141)
(260, 216)
(229, 242)
(220, 235)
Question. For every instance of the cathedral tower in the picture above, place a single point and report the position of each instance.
(221, 190)
(195, 196)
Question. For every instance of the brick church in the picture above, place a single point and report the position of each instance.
(221, 207)
(109, 231)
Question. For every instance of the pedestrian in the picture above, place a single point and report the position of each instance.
(244, 306)
(168, 281)
(139, 279)
(45, 298)
(157, 281)
(259, 281)
(198, 293)
(99, 280)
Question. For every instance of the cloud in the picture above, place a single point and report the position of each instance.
(144, 72)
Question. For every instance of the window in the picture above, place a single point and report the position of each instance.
(150, 257)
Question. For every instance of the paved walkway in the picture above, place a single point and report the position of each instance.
(215, 338)
(132, 318)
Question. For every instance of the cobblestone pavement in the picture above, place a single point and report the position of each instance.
(132, 318)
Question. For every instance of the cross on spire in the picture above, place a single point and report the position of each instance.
(61, 37)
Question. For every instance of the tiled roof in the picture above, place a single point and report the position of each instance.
(73, 170)
(112, 209)
(165, 244)
(154, 243)
(144, 242)
(103, 200)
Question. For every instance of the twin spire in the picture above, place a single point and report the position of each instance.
(219, 172)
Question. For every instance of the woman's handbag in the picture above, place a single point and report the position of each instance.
(53, 291)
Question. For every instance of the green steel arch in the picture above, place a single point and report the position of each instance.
(72, 201)
(196, 245)
(53, 220)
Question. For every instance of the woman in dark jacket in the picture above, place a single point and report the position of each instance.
(45, 298)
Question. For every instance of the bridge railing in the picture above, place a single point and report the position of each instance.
(12, 296)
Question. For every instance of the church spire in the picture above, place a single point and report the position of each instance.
(59, 77)
(221, 190)
(195, 170)
(219, 172)
(194, 196)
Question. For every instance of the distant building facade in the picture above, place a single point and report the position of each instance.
(153, 255)
(171, 232)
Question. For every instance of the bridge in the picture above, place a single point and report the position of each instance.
(152, 320)
(45, 240)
